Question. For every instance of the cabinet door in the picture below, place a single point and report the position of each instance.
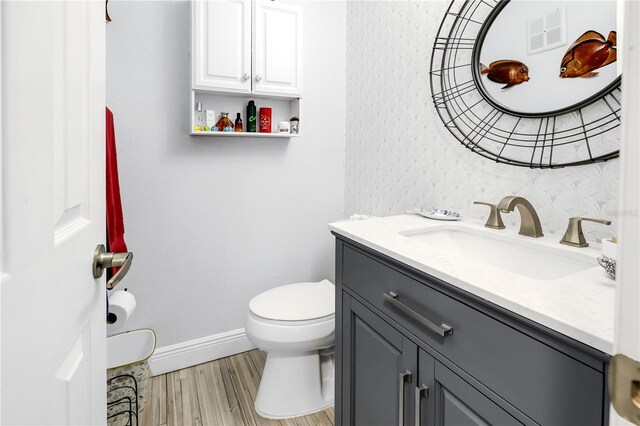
(277, 49)
(221, 45)
(457, 403)
(379, 367)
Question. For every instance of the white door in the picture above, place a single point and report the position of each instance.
(277, 49)
(221, 45)
(53, 332)
(626, 374)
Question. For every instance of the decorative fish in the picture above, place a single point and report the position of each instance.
(506, 71)
(589, 52)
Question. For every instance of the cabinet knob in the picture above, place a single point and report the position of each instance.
(246, 76)
(258, 77)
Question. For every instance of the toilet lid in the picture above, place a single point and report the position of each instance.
(296, 302)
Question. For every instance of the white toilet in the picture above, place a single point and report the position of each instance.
(295, 325)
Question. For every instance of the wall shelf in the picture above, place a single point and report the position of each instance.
(282, 110)
(246, 135)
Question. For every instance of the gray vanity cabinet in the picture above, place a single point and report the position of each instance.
(391, 382)
(454, 402)
(398, 363)
(384, 362)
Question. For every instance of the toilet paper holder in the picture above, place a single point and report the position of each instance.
(103, 260)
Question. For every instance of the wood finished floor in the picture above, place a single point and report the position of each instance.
(217, 393)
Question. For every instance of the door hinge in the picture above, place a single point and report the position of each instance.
(624, 387)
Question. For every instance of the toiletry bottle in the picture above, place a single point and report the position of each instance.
(238, 127)
(224, 124)
(199, 118)
(251, 117)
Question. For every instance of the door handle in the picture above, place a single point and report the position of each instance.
(404, 377)
(442, 329)
(103, 260)
(624, 387)
(420, 391)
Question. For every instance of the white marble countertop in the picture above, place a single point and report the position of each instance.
(580, 305)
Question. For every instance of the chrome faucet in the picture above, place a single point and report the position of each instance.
(530, 225)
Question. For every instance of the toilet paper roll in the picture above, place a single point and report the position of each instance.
(121, 306)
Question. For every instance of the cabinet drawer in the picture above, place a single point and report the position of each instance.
(547, 385)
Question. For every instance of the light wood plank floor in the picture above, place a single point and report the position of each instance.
(217, 393)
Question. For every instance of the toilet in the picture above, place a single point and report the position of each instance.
(295, 325)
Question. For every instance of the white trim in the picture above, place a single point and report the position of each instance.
(627, 309)
(197, 351)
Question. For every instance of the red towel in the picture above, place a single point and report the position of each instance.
(115, 221)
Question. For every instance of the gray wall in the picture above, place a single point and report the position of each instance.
(212, 222)
(400, 156)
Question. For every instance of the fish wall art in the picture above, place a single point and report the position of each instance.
(508, 72)
(588, 53)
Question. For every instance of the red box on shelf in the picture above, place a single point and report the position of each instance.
(265, 120)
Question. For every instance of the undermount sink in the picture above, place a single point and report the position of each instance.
(510, 253)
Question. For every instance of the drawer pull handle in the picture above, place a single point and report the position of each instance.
(404, 378)
(442, 329)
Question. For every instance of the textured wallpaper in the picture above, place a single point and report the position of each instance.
(400, 156)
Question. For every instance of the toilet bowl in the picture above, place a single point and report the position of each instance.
(295, 325)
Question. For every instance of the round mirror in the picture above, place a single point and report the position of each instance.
(542, 58)
(530, 83)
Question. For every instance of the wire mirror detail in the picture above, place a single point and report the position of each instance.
(467, 88)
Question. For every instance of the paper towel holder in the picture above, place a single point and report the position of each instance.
(103, 260)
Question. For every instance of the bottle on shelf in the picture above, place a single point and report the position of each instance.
(224, 124)
(251, 117)
(199, 116)
(238, 126)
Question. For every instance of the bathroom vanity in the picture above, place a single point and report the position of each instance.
(427, 334)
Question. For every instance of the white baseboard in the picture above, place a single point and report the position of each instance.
(197, 351)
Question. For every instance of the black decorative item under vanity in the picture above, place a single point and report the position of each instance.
(498, 84)
(123, 406)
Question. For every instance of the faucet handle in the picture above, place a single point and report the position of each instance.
(494, 221)
(573, 236)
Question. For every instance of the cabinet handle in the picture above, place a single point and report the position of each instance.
(404, 377)
(420, 391)
(246, 76)
(258, 77)
(442, 329)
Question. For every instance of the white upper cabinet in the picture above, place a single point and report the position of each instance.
(221, 45)
(248, 48)
(277, 49)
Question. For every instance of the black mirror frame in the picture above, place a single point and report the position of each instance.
(464, 124)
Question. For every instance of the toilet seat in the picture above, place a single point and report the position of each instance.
(300, 302)
(291, 323)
